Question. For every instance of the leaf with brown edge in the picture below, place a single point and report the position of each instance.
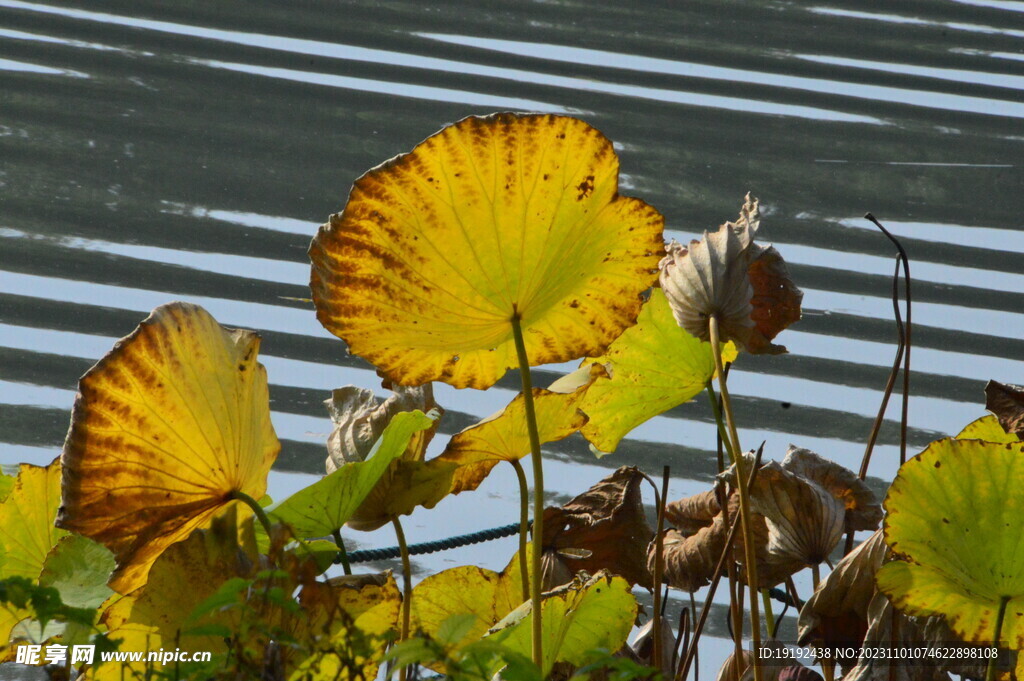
(726, 274)
(986, 428)
(506, 216)
(652, 367)
(608, 523)
(165, 429)
(504, 436)
(1006, 401)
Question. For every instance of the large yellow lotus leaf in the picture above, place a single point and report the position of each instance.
(488, 595)
(653, 367)
(986, 428)
(956, 518)
(26, 521)
(492, 218)
(576, 619)
(504, 436)
(191, 571)
(166, 427)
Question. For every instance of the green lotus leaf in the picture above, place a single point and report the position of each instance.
(79, 569)
(26, 520)
(326, 505)
(576, 619)
(986, 428)
(653, 367)
(956, 518)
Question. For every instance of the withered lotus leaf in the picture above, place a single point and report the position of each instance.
(1006, 401)
(863, 510)
(360, 418)
(955, 516)
(726, 274)
(986, 428)
(171, 423)
(608, 523)
(491, 219)
(504, 436)
(652, 367)
(836, 615)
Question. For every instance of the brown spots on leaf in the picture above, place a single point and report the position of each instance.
(585, 188)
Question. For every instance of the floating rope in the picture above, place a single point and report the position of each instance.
(367, 555)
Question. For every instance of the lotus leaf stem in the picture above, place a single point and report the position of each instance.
(990, 671)
(342, 553)
(538, 493)
(750, 556)
(524, 528)
(257, 510)
(769, 616)
(659, 562)
(406, 587)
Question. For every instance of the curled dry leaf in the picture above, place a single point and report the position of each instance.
(643, 644)
(726, 274)
(360, 418)
(510, 216)
(608, 523)
(808, 503)
(836, 615)
(166, 428)
(1006, 401)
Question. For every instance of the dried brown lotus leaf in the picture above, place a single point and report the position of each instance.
(726, 274)
(1006, 401)
(798, 672)
(643, 644)
(837, 614)
(729, 672)
(359, 419)
(863, 510)
(689, 561)
(609, 523)
(690, 514)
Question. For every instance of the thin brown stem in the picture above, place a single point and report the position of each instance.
(538, 493)
(990, 671)
(659, 562)
(524, 527)
(750, 557)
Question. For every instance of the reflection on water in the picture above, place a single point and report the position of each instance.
(187, 151)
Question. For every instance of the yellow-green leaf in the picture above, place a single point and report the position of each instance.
(79, 569)
(26, 520)
(653, 367)
(986, 428)
(486, 594)
(504, 436)
(326, 505)
(956, 518)
(576, 619)
(491, 219)
(166, 427)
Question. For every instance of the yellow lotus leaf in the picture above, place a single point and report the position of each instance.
(492, 219)
(575, 618)
(653, 367)
(189, 572)
(26, 521)
(471, 590)
(955, 516)
(986, 428)
(350, 619)
(504, 436)
(166, 428)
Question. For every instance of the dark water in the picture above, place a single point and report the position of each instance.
(159, 151)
